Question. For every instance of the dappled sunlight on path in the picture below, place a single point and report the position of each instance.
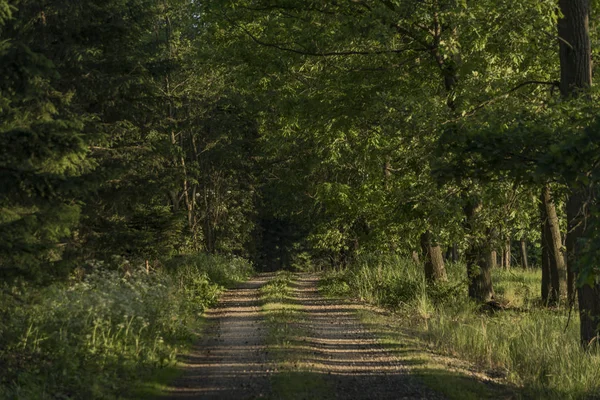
(230, 362)
(332, 342)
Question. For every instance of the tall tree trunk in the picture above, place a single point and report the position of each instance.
(553, 242)
(507, 254)
(523, 252)
(493, 260)
(545, 265)
(576, 75)
(454, 252)
(544, 232)
(435, 270)
(477, 256)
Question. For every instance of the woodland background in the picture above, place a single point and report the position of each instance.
(139, 136)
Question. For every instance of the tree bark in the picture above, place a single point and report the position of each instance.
(545, 265)
(507, 254)
(493, 260)
(435, 270)
(455, 257)
(523, 252)
(553, 242)
(477, 256)
(452, 253)
(575, 76)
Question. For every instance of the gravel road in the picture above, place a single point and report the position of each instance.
(231, 362)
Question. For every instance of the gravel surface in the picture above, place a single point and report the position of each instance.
(231, 362)
(339, 347)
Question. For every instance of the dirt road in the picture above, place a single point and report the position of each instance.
(233, 361)
(347, 354)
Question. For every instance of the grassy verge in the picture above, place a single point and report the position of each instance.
(108, 334)
(293, 379)
(528, 346)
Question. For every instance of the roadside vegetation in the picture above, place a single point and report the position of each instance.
(107, 333)
(516, 337)
(133, 132)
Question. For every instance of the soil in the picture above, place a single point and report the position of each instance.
(347, 354)
(231, 362)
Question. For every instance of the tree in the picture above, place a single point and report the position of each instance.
(576, 78)
(44, 150)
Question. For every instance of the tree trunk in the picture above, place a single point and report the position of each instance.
(415, 257)
(546, 281)
(477, 256)
(523, 252)
(448, 256)
(435, 271)
(454, 252)
(553, 242)
(576, 75)
(545, 265)
(493, 260)
(507, 254)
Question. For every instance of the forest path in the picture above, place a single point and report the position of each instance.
(331, 343)
(230, 361)
(325, 353)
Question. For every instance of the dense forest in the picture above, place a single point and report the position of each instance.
(183, 145)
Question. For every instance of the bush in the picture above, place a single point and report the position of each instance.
(95, 337)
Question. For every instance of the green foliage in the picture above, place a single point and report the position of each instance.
(277, 289)
(96, 336)
(393, 281)
(43, 158)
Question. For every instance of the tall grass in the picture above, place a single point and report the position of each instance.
(96, 336)
(529, 344)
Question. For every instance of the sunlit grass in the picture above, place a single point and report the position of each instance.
(107, 334)
(531, 346)
(293, 380)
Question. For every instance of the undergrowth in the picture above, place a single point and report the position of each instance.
(103, 333)
(532, 346)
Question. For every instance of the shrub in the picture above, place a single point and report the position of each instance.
(94, 337)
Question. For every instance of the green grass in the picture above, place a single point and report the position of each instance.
(107, 334)
(530, 346)
(293, 379)
(442, 374)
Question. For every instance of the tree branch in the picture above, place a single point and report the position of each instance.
(502, 96)
(326, 54)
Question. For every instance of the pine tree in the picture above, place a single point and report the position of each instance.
(43, 156)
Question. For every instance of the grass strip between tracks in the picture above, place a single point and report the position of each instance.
(292, 378)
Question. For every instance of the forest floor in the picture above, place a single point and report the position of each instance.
(301, 345)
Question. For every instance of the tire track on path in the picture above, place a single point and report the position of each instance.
(230, 361)
(341, 349)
